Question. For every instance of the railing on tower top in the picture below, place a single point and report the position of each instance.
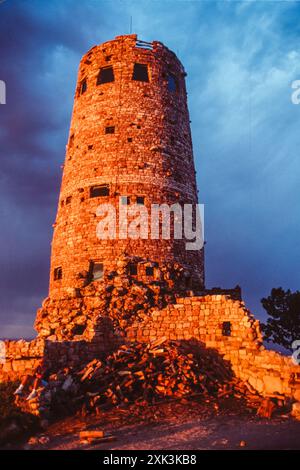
(144, 44)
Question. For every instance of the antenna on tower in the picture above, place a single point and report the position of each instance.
(130, 32)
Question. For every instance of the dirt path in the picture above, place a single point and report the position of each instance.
(178, 427)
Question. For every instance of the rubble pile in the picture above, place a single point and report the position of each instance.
(120, 296)
(164, 369)
(141, 373)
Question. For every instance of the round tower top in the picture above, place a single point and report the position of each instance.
(131, 41)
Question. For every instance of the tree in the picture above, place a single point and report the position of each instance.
(284, 309)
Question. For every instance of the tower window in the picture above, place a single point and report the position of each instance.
(125, 200)
(172, 83)
(140, 200)
(105, 75)
(110, 130)
(68, 200)
(140, 73)
(129, 139)
(99, 191)
(58, 273)
(133, 270)
(79, 329)
(96, 270)
(226, 328)
(149, 271)
(83, 86)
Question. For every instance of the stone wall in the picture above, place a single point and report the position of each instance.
(219, 321)
(223, 323)
(21, 357)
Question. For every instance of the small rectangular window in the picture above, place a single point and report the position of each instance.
(226, 328)
(140, 200)
(105, 75)
(149, 271)
(58, 273)
(99, 191)
(68, 200)
(83, 86)
(110, 130)
(129, 139)
(96, 270)
(125, 200)
(172, 83)
(140, 73)
(133, 269)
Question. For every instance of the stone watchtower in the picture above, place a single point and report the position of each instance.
(129, 143)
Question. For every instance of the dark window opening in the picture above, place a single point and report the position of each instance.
(188, 282)
(90, 147)
(83, 86)
(129, 139)
(140, 73)
(108, 58)
(140, 200)
(58, 273)
(110, 130)
(96, 271)
(172, 83)
(138, 127)
(149, 271)
(79, 329)
(71, 140)
(105, 75)
(99, 191)
(68, 200)
(226, 328)
(133, 269)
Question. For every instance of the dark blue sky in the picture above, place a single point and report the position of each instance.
(241, 58)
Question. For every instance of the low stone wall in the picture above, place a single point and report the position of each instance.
(224, 324)
(21, 357)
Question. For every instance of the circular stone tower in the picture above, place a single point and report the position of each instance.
(129, 144)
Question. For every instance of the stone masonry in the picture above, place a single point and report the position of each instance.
(128, 138)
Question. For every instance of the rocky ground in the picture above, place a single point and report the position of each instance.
(177, 425)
